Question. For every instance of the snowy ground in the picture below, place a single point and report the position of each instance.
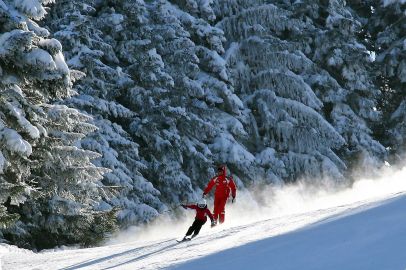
(342, 232)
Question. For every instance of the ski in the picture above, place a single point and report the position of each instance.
(184, 240)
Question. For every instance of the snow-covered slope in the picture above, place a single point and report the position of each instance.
(360, 234)
(364, 235)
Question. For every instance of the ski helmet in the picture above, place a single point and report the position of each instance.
(201, 203)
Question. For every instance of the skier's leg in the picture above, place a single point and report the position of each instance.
(222, 210)
(222, 217)
(216, 206)
(199, 225)
(191, 228)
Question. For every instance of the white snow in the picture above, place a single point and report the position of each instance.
(51, 44)
(229, 150)
(14, 142)
(40, 57)
(2, 162)
(17, 89)
(61, 64)
(20, 116)
(33, 26)
(31, 8)
(3, 39)
(302, 228)
(117, 18)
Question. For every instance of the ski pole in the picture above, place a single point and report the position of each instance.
(171, 209)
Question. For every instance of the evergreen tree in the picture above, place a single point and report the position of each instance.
(284, 117)
(384, 31)
(222, 108)
(173, 59)
(351, 101)
(70, 186)
(52, 186)
(86, 34)
(157, 43)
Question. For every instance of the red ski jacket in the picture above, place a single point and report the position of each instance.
(223, 185)
(201, 213)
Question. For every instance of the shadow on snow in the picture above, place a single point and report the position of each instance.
(370, 239)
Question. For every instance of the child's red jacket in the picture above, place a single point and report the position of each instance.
(201, 213)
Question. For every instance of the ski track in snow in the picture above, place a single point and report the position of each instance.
(367, 234)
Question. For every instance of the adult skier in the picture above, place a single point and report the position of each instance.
(201, 217)
(223, 185)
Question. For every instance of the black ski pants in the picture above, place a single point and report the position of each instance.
(196, 226)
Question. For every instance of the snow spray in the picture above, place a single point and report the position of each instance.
(276, 201)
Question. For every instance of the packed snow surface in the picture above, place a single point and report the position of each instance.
(358, 228)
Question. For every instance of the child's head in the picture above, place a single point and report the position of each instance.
(201, 203)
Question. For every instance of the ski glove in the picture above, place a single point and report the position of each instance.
(184, 206)
(204, 195)
(213, 222)
(233, 201)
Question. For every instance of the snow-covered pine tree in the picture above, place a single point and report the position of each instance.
(158, 49)
(289, 137)
(190, 48)
(15, 37)
(219, 106)
(155, 97)
(87, 34)
(187, 107)
(385, 35)
(50, 184)
(200, 9)
(20, 62)
(70, 185)
(350, 98)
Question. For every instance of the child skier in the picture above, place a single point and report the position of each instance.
(201, 217)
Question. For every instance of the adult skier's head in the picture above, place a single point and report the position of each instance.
(222, 170)
(201, 203)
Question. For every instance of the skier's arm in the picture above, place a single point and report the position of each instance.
(190, 207)
(210, 185)
(210, 215)
(231, 184)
